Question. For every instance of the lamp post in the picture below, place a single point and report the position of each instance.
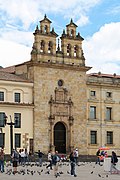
(11, 124)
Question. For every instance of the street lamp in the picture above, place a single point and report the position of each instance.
(11, 124)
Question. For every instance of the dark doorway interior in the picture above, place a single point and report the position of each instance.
(60, 137)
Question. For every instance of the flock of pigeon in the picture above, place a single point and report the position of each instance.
(30, 169)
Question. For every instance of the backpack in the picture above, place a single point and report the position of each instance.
(115, 159)
(15, 156)
(56, 158)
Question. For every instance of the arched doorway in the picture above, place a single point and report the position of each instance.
(60, 137)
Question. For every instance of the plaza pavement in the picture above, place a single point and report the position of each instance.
(85, 171)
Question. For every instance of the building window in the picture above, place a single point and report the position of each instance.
(1, 96)
(2, 139)
(108, 94)
(92, 112)
(108, 113)
(93, 135)
(93, 93)
(17, 140)
(109, 137)
(17, 97)
(17, 120)
(2, 119)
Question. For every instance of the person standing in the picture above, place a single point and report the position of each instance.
(22, 157)
(2, 158)
(73, 163)
(15, 159)
(76, 155)
(98, 157)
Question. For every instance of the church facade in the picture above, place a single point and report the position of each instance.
(66, 108)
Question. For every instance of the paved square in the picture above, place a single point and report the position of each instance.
(84, 171)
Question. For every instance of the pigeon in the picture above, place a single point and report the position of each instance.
(39, 172)
(91, 172)
(47, 172)
(99, 175)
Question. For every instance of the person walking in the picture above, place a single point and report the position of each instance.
(72, 163)
(114, 160)
(55, 160)
(2, 158)
(50, 160)
(98, 157)
(40, 155)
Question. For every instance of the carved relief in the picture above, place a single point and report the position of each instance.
(61, 105)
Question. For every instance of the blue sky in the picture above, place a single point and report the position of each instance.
(98, 23)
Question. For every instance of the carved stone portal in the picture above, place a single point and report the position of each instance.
(61, 109)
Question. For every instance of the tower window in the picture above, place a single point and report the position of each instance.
(42, 46)
(45, 29)
(68, 49)
(49, 47)
(71, 32)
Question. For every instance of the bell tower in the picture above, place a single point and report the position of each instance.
(44, 45)
(71, 44)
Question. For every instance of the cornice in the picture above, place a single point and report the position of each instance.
(59, 66)
(17, 104)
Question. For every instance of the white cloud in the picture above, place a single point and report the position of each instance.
(28, 11)
(102, 50)
(19, 18)
(13, 53)
(20, 37)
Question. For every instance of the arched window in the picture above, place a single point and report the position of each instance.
(71, 32)
(45, 29)
(42, 46)
(75, 51)
(49, 47)
(68, 50)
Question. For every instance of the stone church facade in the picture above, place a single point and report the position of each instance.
(59, 89)
(63, 95)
